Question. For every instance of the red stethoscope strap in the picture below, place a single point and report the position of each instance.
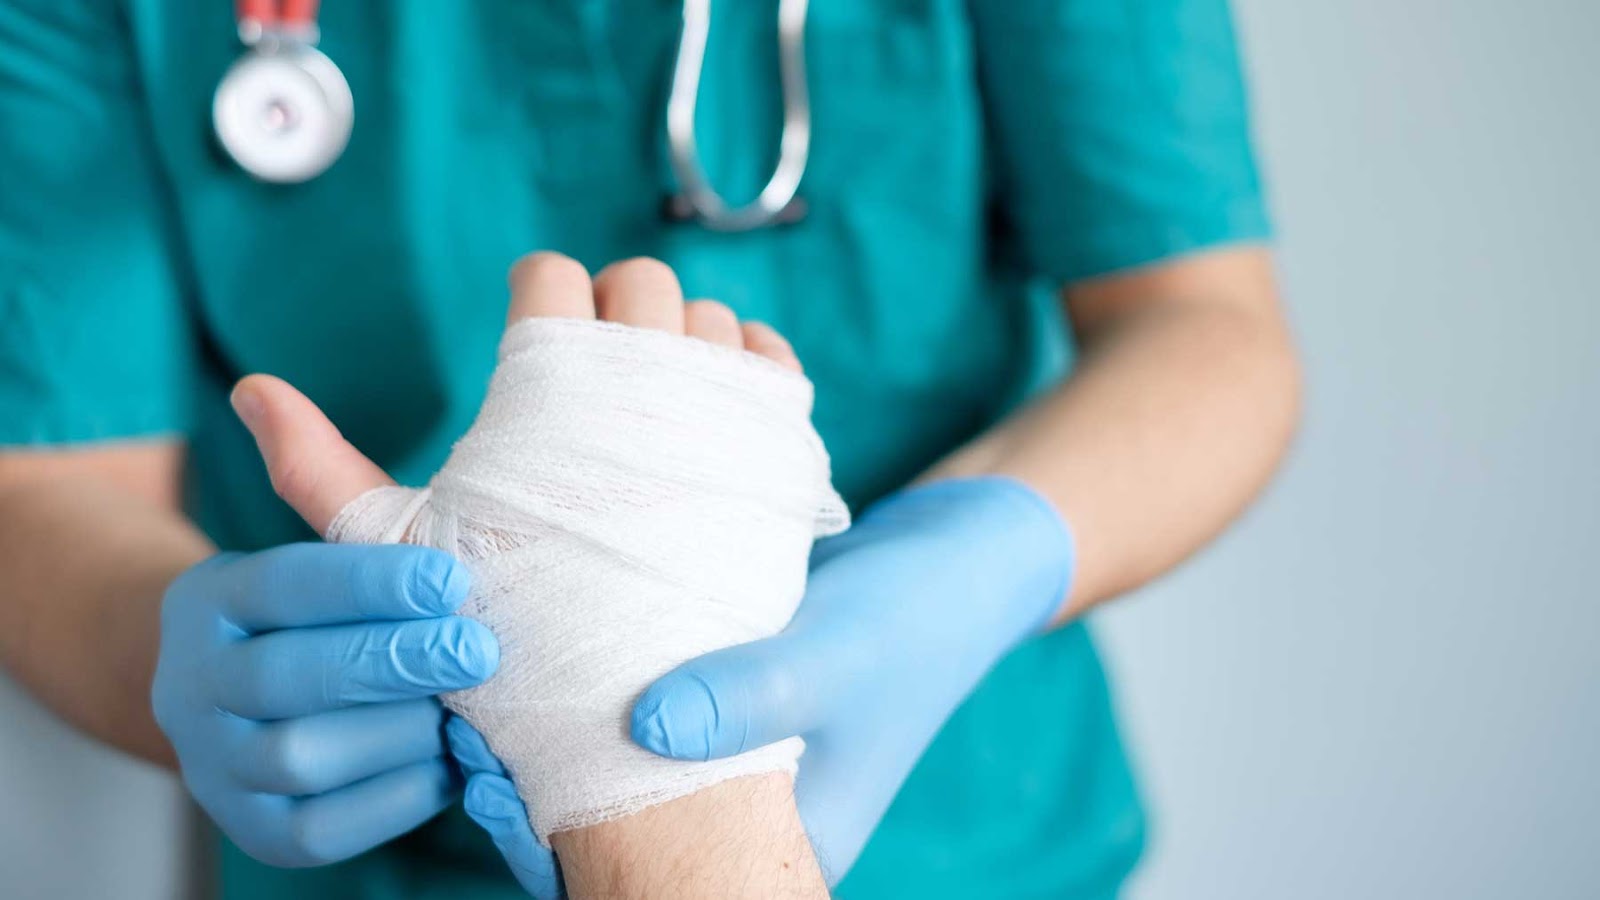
(277, 13)
(299, 12)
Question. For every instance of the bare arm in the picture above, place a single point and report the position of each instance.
(89, 540)
(1183, 404)
(738, 839)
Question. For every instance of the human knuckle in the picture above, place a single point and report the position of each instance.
(295, 480)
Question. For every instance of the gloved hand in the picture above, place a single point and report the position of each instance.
(296, 685)
(903, 615)
(491, 800)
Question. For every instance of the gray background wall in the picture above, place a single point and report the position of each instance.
(1386, 684)
(1383, 684)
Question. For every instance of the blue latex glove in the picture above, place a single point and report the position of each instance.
(297, 687)
(904, 613)
(491, 800)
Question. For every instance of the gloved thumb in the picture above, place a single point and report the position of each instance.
(733, 700)
(312, 467)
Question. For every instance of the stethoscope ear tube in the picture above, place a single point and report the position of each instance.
(778, 202)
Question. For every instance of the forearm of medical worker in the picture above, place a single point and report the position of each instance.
(1184, 400)
(89, 540)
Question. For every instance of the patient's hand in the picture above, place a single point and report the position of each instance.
(735, 838)
(317, 472)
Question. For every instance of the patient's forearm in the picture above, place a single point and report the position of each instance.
(85, 565)
(737, 839)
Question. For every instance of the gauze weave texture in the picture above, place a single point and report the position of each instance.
(627, 500)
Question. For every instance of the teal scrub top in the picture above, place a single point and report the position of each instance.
(969, 160)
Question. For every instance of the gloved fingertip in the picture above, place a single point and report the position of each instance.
(676, 718)
(648, 733)
(474, 648)
(446, 582)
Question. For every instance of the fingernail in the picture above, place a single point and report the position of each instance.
(247, 405)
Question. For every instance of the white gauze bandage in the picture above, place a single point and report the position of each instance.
(627, 500)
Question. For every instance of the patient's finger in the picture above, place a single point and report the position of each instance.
(641, 292)
(764, 340)
(312, 467)
(552, 285)
(711, 321)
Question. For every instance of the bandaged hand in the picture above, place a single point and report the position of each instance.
(628, 499)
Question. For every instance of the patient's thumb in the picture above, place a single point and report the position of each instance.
(312, 467)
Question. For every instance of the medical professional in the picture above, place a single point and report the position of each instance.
(1028, 240)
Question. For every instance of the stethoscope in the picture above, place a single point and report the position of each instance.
(283, 110)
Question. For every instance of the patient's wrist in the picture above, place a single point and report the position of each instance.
(740, 838)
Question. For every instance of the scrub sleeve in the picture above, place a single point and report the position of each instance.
(95, 339)
(1121, 130)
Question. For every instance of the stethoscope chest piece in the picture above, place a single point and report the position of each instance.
(283, 111)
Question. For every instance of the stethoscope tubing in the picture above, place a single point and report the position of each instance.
(778, 200)
(287, 31)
